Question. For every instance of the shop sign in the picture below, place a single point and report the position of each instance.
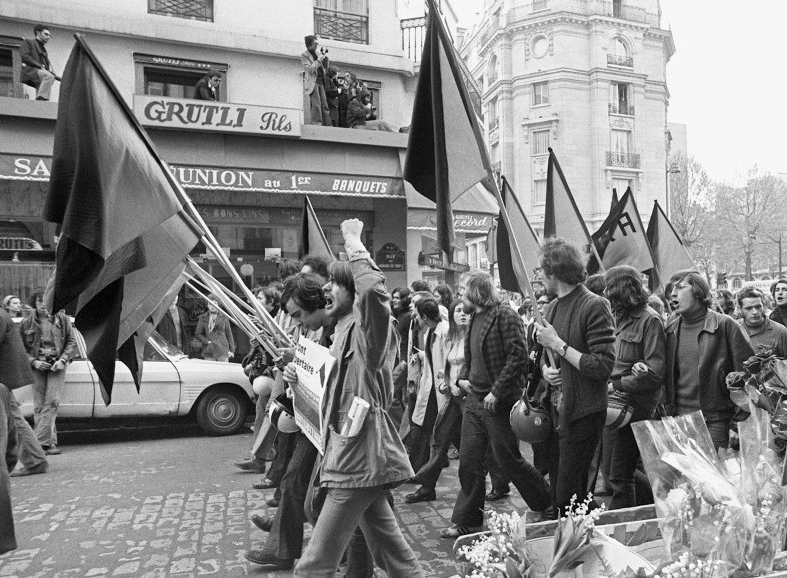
(19, 244)
(36, 168)
(472, 222)
(206, 115)
(390, 258)
(178, 62)
(437, 263)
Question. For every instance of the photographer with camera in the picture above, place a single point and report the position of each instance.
(49, 343)
(362, 114)
(315, 102)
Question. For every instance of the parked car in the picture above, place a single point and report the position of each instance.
(218, 394)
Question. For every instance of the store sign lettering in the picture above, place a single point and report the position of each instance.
(472, 221)
(224, 117)
(31, 167)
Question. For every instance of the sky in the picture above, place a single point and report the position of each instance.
(725, 79)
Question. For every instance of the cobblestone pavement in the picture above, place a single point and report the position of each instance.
(172, 506)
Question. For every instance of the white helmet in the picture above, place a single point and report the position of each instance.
(282, 415)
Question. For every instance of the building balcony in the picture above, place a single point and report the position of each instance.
(342, 26)
(624, 160)
(413, 30)
(621, 108)
(623, 61)
(604, 8)
(189, 9)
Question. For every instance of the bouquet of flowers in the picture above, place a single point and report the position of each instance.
(719, 517)
(502, 553)
(764, 384)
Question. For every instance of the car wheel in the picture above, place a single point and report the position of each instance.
(221, 411)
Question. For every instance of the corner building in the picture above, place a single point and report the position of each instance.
(585, 77)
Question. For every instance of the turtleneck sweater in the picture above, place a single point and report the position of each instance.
(687, 384)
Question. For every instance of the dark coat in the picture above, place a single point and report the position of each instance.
(202, 90)
(723, 349)
(15, 369)
(166, 328)
(505, 352)
(9, 451)
(221, 339)
(356, 114)
(34, 55)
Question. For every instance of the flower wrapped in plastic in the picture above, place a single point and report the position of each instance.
(715, 513)
(502, 553)
(764, 384)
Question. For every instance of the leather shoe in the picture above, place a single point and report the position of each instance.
(267, 560)
(496, 495)
(264, 484)
(544, 515)
(36, 469)
(422, 494)
(52, 451)
(273, 502)
(263, 523)
(252, 465)
(456, 531)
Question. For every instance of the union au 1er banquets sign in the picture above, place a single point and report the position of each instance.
(204, 115)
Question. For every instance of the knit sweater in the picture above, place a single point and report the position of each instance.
(584, 321)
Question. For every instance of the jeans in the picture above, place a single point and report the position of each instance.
(448, 430)
(45, 81)
(421, 435)
(497, 476)
(570, 456)
(47, 391)
(31, 453)
(481, 428)
(285, 540)
(343, 511)
(625, 454)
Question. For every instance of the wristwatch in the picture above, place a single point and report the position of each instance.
(562, 351)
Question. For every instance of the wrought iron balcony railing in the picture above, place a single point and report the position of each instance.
(626, 160)
(621, 108)
(413, 30)
(192, 9)
(616, 60)
(342, 26)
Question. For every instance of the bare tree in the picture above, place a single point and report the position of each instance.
(692, 195)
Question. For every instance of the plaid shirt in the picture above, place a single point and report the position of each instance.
(504, 352)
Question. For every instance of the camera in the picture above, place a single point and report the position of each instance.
(323, 50)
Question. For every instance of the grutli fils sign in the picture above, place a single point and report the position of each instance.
(390, 258)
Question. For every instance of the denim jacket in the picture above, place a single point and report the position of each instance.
(376, 456)
(62, 335)
(640, 337)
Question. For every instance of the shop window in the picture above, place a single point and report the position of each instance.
(540, 93)
(175, 77)
(174, 83)
(190, 9)
(345, 20)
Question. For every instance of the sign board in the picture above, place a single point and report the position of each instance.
(204, 115)
(390, 258)
(19, 244)
(313, 364)
(37, 168)
(437, 263)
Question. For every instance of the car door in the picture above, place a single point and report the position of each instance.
(159, 392)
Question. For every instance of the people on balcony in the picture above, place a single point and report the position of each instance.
(37, 70)
(315, 101)
(207, 87)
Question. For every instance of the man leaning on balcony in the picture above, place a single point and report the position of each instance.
(315, 102)
(37, 71)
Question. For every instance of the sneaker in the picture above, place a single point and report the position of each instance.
(252, 465)
(41, 468)
(267, 560)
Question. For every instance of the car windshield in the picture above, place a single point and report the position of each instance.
(165, 345)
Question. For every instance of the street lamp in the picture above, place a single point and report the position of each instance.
(672, 169)
(779, 243)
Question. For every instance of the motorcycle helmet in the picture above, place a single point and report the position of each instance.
(530, 425)
(282, 415)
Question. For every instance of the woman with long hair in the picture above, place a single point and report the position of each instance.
(637, 376)
(448, 427)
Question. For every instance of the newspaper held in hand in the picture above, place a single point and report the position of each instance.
(355, 417)
(313, 364)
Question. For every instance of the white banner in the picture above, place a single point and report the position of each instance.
(313, 364)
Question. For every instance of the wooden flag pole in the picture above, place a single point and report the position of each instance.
(517, 254)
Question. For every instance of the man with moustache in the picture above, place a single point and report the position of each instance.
(763, 333)
(702, 348)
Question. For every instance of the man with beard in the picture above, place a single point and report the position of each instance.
(763, 333)
(578, 329)
(304, 300)
(702, 348)
(356, 482)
